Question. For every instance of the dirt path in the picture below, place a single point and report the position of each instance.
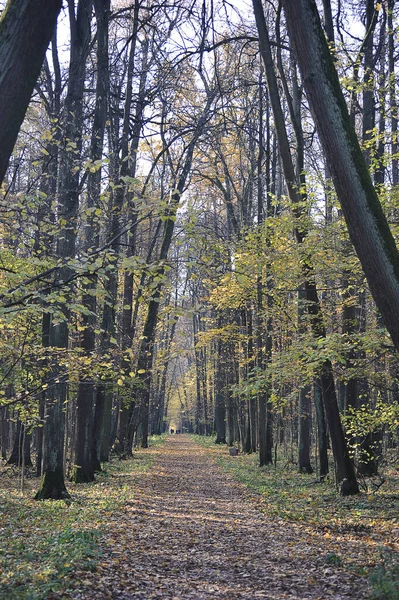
(194, 533)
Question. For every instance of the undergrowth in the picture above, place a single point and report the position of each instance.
(45, 545)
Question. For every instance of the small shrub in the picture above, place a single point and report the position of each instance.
(384, 579)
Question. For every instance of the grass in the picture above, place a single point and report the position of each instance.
(385, 577)
(360, 532)
(45, 545)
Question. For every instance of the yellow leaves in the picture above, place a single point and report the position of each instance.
(231, 292)
(47, 135)
(40, 577)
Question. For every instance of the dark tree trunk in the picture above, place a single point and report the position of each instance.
(321, 429)
(84, 464)
(345, 468)
(4, 432)
(52, 485)
(44, 242)
(26, 28)
(97, 428)
(220, 408)
(46, 320)
(198, 369)
(304, 431)
(367, 224)
(21, 446)
(392, 94)
(252, 400)
(125, 166)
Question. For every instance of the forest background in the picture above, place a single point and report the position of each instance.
(174, 255)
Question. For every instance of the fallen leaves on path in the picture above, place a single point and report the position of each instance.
(193, 532)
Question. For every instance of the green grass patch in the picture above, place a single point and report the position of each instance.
(43, 543)
(385, 578)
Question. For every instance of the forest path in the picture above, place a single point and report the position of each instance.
(195, 533)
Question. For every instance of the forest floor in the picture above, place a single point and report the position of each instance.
(184, 527)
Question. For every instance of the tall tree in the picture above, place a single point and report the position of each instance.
(367, 225)
(84, 462)
(26, 28)
(52, 485)
(296, 191)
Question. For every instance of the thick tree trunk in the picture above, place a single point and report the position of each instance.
(52, 485)
(367, 224)
(26, 28)
(84, 464)
(220, 417)
(20, 446)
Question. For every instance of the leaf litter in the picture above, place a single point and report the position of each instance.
(191, 531)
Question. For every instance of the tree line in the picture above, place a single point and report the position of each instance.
(198, 224)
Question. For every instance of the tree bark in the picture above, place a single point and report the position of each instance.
(26, 28)
(321, 429)
(20, 447)
(84, 464)
(367, 224)
(220, 390)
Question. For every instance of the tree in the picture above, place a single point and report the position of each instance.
(84, 461)
(26, 28)
(52, 485)
(297, 193)
(367, 224)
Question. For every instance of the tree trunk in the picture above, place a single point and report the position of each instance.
(304, 431)
(345, 468)
(52, 485)
(20, 446)
(220, 408)
(367, 224)
(392, 94)
(26, 28)
(84, 464)
(321, 429)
